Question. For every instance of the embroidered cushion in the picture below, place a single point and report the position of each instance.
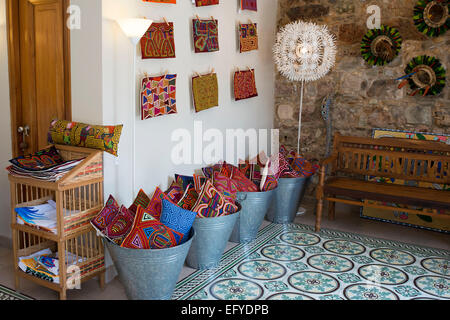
(105, 138)
(175, 192)
(270, 183)
(177, 218)
(106, 215)
(243, 183)
(184, 180)
(155, 205)
(42, 160)
(303, 167)
(149, 233)
(209, 171)
(189, 198)
(226, 186)
(142, 199)
(199, 181)
(120, 226)
(211, 203)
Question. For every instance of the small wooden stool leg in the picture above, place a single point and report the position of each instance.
(101, 280)
(331, 210)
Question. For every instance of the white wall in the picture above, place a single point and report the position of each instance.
(153, 136)
(86, 62)
(5, 128)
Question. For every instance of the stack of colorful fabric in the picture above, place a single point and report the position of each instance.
(44, 264)
(40, 216)
(46, 164)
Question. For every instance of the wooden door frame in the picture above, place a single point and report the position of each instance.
(13, 32)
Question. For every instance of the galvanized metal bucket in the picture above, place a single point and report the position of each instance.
(287, 199)
(254, 208)
(212, 235)
(149, 274)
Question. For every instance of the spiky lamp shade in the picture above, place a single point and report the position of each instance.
(305, 52)
(431, 17)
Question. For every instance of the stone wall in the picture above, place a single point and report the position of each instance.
(365, 97)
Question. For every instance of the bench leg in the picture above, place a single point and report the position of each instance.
(331, 210)
(319, 214)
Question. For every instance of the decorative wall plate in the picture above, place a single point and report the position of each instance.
(425, 75)
(432, 17)
(381, 46)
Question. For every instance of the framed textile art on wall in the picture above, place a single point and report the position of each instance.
(245, 85)
(206, 35)
(434, 223)
(158, 96)
(202, 3)
(249, 5)
(205, 90)
(248, 37)
(158, 42)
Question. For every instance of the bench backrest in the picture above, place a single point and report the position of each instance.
(406, 159)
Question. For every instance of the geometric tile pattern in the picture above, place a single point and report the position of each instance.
(292, 262)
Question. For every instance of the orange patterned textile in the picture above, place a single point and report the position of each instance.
(244, 85)
(158, 42)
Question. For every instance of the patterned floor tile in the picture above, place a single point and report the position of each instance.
(292, 262)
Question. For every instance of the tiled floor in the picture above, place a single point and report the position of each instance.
(347, 219)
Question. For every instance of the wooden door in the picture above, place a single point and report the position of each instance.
(40, 62)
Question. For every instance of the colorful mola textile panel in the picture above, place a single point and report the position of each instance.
(158, 42)
(121, 225)
(142, 199)
(149, 233)
(105, 138)
(245, 85)
(248, 37)
(42, 160)
(202, 3)
(205, 89)
(211, 203)
(249, 5)
(158, 96)
(206, 35)
(106, 215)
(161, 1)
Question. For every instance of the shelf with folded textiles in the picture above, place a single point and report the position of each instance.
(55, 215)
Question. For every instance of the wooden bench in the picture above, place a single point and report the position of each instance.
(353, 159)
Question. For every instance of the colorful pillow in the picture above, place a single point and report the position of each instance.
(155, 205)
(243, 183)
(120, 226)
(211, 203)
(105, 138)
(175, 192)
(142, 199)
(270, 183)
(184, 180)
(42, 160)
(304, 167)
(226, 186)
(177, 219)
(106, 215)
(199, 181)
(149, 233)
(189, 198)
